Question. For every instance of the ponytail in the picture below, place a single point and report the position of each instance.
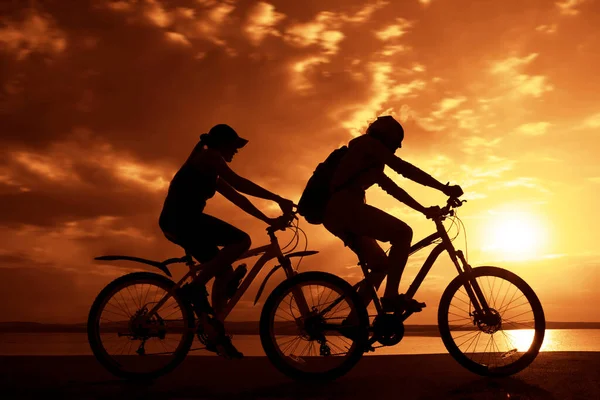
(204, 139)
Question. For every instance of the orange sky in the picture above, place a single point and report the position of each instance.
(102, 101)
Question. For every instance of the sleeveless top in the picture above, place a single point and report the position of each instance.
(188, 192)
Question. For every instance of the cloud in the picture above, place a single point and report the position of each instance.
(468, 120)
(366, 12)
(119, 6)
(365, 113)
(494, 167)
(156, 14)
(300, 70)
(510, 64)
(523, 182)
(478, 144)
(549, 29)
(36, 32)
(569, 7)
(593, 121)
(207, 21)
(448, 104)
(534, 128)
(64, 163)
(510, 72)
(394, 31)
(177, 38)
(407, 89)
(322, 31)
(393, 49)
(261, 22)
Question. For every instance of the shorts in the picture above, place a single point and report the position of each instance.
(201, 235)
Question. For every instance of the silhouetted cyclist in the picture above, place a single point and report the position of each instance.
(184, 223)
(360, 225)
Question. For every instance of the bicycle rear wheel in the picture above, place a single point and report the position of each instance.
(502, 342)
(318, 346)
(131, 346)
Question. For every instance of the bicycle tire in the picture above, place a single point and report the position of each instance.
(267, 322)
(93, 327)
(536, 308)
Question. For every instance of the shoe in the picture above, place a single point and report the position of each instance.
(223, 347)
(401, 303)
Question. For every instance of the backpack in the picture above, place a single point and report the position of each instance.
(316, 194)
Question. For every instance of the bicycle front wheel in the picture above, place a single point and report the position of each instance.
(502, 341)
(323, 344)
(134, 347)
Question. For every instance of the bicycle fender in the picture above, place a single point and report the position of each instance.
(301, 253)
(156, 264)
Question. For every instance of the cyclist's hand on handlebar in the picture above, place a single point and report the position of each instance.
(432, 212)
(453, 191)
(287, 206)
(281, 222)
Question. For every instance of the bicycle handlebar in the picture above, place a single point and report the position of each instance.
(285, 222)
(447, 210)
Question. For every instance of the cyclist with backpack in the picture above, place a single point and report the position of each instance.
(335, 196)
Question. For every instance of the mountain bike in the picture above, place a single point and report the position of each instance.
(490, 320)
(142, 325)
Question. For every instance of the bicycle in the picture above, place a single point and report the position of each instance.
(471, 307)
(144, 325)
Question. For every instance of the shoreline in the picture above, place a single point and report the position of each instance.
(251, 327)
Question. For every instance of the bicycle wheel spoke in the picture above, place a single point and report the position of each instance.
(468, 333)
(520, 305)
(509, 322)
(320, 347)
(123, 339)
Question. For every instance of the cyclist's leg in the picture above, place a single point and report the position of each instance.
(213, 232)
(364, 220)
(379, 225)
(369, 251)
(201, 236)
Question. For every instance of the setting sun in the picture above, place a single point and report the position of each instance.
(514, 236)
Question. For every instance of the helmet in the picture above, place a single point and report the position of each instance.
(387, 130)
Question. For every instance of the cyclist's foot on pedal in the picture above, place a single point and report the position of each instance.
(401, 303)
(224, 348)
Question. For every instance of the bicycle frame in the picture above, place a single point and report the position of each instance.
(472, 287)
(268, 252)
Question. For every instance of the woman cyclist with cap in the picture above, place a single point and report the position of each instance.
(184, 223)
(360, 225)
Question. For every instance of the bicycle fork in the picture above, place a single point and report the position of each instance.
(471, 285)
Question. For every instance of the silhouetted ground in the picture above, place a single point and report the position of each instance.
(553, 375)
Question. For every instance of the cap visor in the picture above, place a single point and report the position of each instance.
(240, 142)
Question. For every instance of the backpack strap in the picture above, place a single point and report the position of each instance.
(352, 178)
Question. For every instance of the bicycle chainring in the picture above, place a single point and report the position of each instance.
(388, 329)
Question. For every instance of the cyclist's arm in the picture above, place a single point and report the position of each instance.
(398, 193)
(240, 200)
(404, 168)
(241, 184)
